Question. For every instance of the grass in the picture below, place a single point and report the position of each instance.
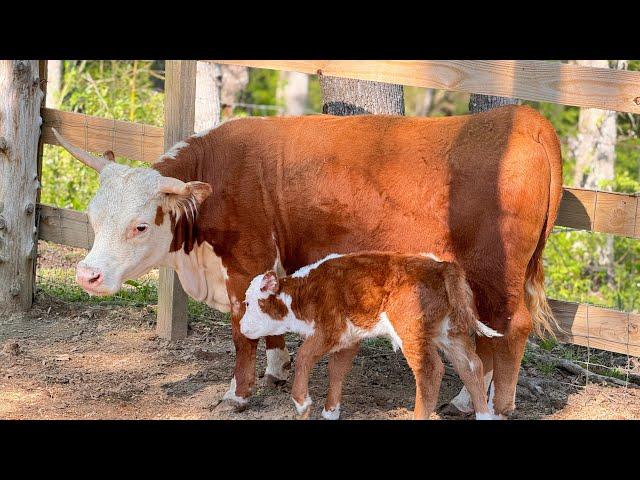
(59, 283)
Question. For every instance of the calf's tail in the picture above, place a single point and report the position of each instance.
(462, 304)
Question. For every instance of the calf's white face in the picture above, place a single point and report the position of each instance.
(268, 310)
(124, 216)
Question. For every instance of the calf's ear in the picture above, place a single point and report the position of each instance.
(270, 283)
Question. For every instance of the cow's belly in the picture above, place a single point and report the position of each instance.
(203, 276)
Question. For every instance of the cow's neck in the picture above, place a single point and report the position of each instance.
(202, 275)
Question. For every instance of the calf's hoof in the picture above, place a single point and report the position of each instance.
(332, 413)
(450, 410)
(304, 415)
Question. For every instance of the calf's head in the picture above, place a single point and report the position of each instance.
(266, 311)
(130, 216)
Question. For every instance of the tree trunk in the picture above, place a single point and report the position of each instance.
(234, 79)
(482, 103)
(594, 148)
(424, 109)
(345, 96)
(54, 83)
(295, 92)
(208, 91)
(20, 102)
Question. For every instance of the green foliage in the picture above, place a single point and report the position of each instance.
(122, 90)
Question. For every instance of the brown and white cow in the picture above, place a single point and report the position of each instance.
(420, 303)
(481, 189)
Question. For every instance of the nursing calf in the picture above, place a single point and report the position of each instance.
(420, 303)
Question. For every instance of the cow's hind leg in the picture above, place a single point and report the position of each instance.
(278, 361)
(507, 355)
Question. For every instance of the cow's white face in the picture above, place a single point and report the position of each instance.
(124, 215)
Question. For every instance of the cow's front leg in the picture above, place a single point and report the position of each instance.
(278, 361)
(244, 375)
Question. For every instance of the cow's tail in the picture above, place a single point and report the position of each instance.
(544, 323)
(461, 302)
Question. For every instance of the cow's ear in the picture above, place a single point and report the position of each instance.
(270, 283)
(109, 156)
(199, 191)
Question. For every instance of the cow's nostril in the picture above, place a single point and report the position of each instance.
(95, 278)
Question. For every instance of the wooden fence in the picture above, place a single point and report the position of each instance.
(582, 209)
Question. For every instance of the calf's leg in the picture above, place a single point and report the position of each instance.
(340, 364)
(462, 405)
(428, 370)
(307, 356)
(467, 364)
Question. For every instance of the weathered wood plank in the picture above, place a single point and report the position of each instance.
(526, 79)
(605, 212)
(132, 140)
(598, 327)
(64, 226)
(179, 115)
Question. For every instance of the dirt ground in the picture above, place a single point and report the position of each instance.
(74, 361)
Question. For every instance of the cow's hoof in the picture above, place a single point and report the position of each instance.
(450, 410)
(229, 405)
(273, 382)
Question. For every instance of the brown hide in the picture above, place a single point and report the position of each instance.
(475, 188)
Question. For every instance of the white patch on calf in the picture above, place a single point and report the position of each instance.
(231, 394)
(304, 271)
(277, 358)
(432, 257)
(353, 334)
(332, 414)
(301, 408)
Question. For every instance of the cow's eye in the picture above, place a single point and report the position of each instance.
(142, 227)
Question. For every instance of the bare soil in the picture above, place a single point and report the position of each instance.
(75, 361)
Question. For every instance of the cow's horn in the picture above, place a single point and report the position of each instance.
(93, 161)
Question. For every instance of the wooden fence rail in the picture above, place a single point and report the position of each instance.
(137, 141)
(584, 209)
(535, 80)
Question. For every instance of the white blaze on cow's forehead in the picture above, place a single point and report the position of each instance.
(123, 191)
(304, 271)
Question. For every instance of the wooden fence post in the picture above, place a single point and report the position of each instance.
(20, 101)
(179, 111)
